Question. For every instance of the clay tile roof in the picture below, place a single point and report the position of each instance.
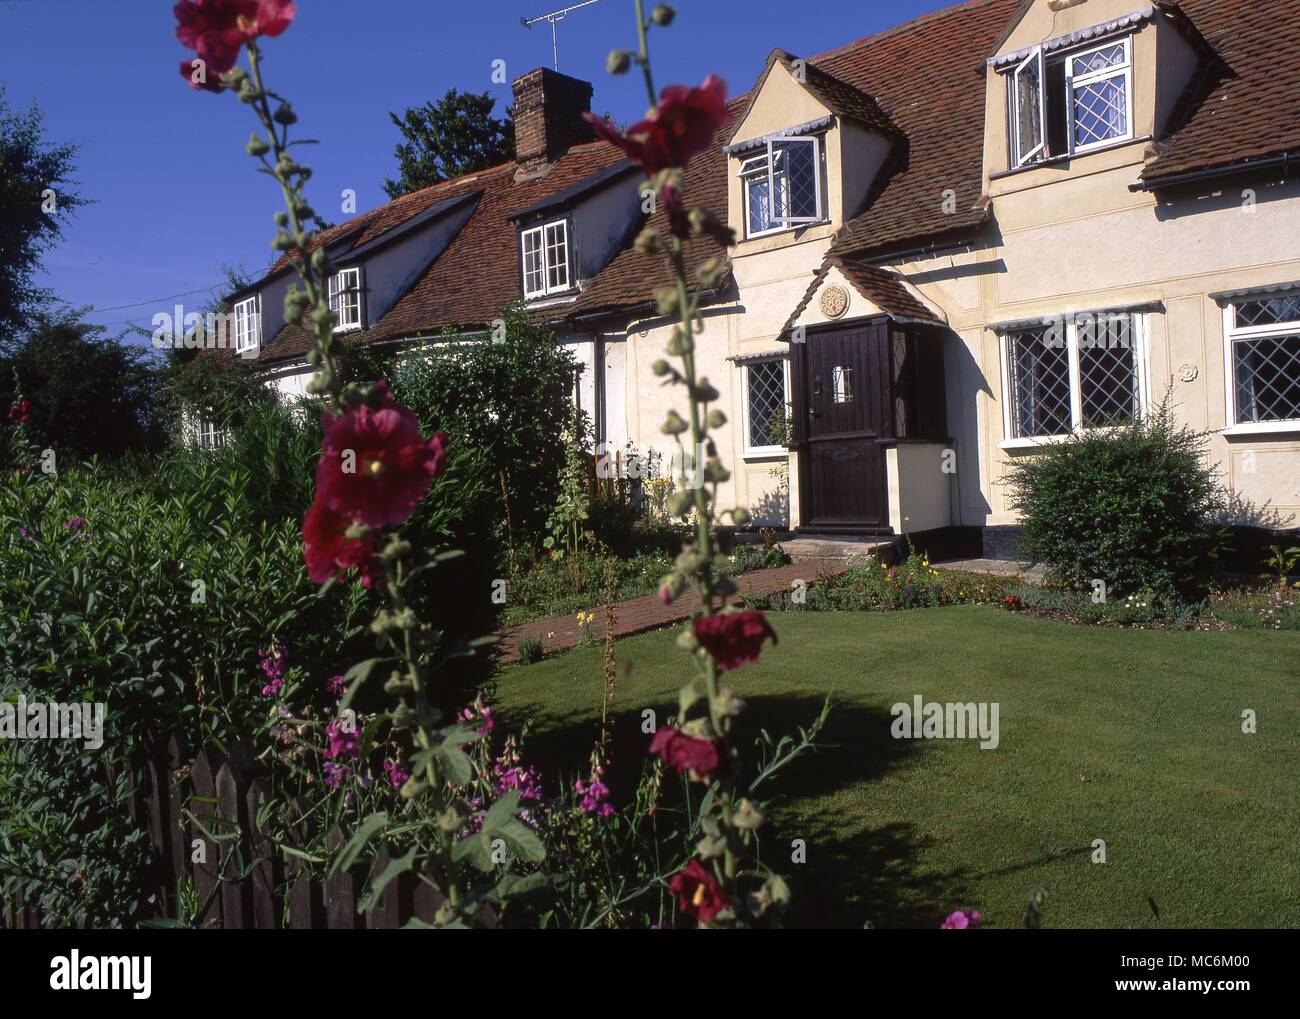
(927, 75)
(839, 97)
(630, 280)
(881, 287)
(1248, 103)
(477, 274)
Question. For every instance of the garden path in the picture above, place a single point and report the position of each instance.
(638, 615)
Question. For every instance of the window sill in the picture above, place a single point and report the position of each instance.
(766, 453)
(1034, 442)
(1063, 161)
(346, 329)
(552, 300)
(1261, 428)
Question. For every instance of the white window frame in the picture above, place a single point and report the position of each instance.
(1231, 334)
(1140, 335)
(248, 314)
(208, 435)
(1071, 83)
(1035, 59)
(781, 222)
(768, 450)
(1038, 59)
(338, 292)
(542, 232)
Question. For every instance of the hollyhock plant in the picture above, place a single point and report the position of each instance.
(687, 754)
(375, 465)
(681, 125)
(216, 30)
(734, 639)
(329, 551)
(19, 412)
(698, 892)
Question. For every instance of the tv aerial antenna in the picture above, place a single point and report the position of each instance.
(554, 18)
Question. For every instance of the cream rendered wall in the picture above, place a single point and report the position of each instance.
(1073, 237)
(772, 273)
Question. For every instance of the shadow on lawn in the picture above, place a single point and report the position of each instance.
(853, 874)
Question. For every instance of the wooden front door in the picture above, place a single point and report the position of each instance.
(846, 415)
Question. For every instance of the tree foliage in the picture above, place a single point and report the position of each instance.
(453, 136)
(35, 198)
(89, 394)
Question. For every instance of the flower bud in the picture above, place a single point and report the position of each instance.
(661, 367)
(284, 114)
(680, 502)
(673, 424)
(740, 516)
(319, 261)
(618, 61)
(680, 342)
(256, 145)
(648, 242)
(663, 15)
(716, 418)
(281, 219)
(666, 300)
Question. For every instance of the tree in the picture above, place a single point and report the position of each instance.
(448, 138)
(35, 196)
(88, 394)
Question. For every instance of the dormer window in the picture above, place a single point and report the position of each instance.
(248, 325)
(1068, 103)
(783, 186)
(545, 250)
(345, 299)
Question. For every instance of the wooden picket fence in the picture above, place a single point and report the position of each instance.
(240, 879)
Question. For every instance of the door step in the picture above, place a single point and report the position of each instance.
(839, 549)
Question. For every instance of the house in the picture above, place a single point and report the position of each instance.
(956, 241)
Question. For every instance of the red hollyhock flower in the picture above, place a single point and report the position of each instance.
(210, 82)
(375, 466)
(735, 639)
(686, 753)
(331, 552)
(217, 29)
(681, 125)
(698, 892)
(19, 412)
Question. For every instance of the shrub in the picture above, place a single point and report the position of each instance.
(99, 603)
(531, 650)
(1131, 507)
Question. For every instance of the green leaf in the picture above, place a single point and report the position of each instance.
(357, 675)
(369, 828)
(476, 849)
(395, 869)
(523, 840)
(456, 765)
(500, 812)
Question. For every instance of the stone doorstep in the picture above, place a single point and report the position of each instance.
(829, 549)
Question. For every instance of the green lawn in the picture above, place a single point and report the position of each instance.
(1201, 822)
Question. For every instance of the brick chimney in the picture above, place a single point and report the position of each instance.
(548, 118)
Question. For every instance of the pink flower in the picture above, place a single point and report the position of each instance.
(397, 775)
(960, 920)
(698, 892)
(330, 552)
(342, 743)
(19, 413)
(734, 639)
(685, 753)
(336, 685)
(375, 466)
(216, 30)
(683, 124)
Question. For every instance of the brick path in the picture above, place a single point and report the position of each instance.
(648, 613)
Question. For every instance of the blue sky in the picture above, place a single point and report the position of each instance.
(175, 195)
